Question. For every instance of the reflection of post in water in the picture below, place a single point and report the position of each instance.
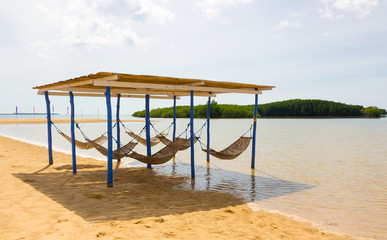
(118, 163)
(252, 191)
(173, 166)
(208, 176)
(193, 183)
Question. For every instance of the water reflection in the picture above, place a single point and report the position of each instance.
(251, 187)
(252, 190)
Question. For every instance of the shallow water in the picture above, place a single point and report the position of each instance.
(328, 171)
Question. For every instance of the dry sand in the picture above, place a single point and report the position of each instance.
(40, 201)
(43, 120)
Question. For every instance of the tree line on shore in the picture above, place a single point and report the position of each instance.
(288, 108)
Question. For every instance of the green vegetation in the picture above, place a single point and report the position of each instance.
(373, 112)
(288, 108)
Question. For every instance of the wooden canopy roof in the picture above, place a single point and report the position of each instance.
(129, 85)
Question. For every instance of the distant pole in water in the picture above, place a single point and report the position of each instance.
(33, 111)
(16, 110)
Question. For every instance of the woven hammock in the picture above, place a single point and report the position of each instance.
(232, 151)
(179, 143)
(118, 153)
(85, 145)
(154, 140)
(160, 157)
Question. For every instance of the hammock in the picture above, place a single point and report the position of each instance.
(85, 145)
(118, 153)
(160, 157)
(232, 151)
(179, 143)
(154, 140)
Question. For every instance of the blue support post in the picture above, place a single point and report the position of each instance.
(192, 136)
(147, 129)
(73, 133)
(49, 134)
(118, 124)
(110, 138)
(208, 126)
(174, 119)
(254, 132)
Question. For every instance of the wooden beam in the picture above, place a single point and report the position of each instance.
(79, 83)
(143, 96)
(140, 91)
(75, 94)
(102, 95)
(201, 83)
(75, 84)
(169, 87)
(198, 94)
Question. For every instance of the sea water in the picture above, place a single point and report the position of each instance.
(331, 172)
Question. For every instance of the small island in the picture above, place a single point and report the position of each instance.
(294, 108)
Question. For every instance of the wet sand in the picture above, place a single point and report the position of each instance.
(43, 121)
(41, 201)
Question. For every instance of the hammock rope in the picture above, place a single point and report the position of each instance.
(180, 143)
(118, 153)
(82, 145)
(160, 157)
(233, 150)
(154, 141)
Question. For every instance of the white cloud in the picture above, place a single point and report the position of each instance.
(361, 7)
(326, 13)
(157, 13)
(212, 8)
(96, 23)
(286, 24)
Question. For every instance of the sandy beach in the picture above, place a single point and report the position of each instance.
(43, 121)
(41, 201)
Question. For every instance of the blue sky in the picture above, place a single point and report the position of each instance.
(323, 49)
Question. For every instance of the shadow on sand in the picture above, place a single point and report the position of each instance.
(141, 192)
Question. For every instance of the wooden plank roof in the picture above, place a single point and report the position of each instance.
(129, 85)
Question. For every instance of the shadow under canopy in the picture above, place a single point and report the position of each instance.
(145, 193)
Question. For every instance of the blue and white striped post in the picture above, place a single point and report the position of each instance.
(192, 136)
(118, 124)
(110, 138)
(174, 119)
(208, 126)
(49, 134)
(74, 155)
(254, 132)
(147, 129)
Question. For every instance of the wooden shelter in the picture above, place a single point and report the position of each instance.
(106, 84)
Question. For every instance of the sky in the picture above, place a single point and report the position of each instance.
(309, 49)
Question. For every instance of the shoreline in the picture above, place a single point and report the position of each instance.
(81, 120)
(52, 194)
(56, 121)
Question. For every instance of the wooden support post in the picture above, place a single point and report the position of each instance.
(49, 133)
(254, 132)
(110, 138)
(174, 118)
(208, 126)
(192, 136)
(147, 129)
(118, 124)
(74, 155)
